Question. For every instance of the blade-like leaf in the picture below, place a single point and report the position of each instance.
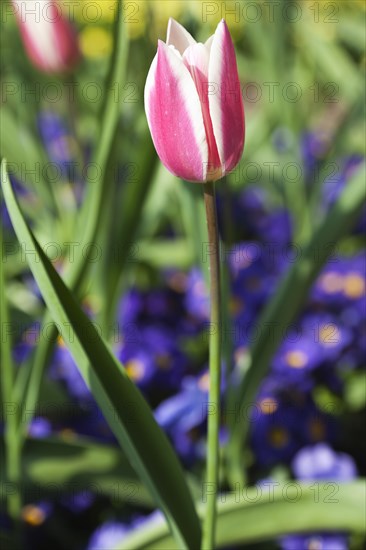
(271, 511)
(126, 411)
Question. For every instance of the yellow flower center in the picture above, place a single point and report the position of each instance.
(329, 335)
(33, 515)
(315, 544)
(354, 285)
(135, 369)
(296, 359)
(268, 405)
(331, 282)
(278, 437)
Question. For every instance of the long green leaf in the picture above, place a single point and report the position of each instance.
(123, 406)
(270, 511)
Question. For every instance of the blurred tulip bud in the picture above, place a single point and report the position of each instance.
(49, 39)
(194, 105)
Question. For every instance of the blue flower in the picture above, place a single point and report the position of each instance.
(64, 370)
(274, 429)
(58, 142)
(252, 281)
(296, 359)
(39, 427)
(78, 502)
(111, 533)
(155, 326)
(196, 299)
(108, 535)
(283, 420)
(183, 416)
(342, 282)
(328, 334)
(311, 349)
(139, 365)
(131, 307)
(315, 542)
(320, 462)
(314, 146)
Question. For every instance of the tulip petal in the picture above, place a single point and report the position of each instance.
(225, 100)
(174, 116)
(178, 36)
(48, 38)
(196, 59)
(208, 43)
(37, 33)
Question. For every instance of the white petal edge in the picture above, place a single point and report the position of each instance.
(178, 36)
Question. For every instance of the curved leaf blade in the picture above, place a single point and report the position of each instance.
(123, 406)
(271, 512)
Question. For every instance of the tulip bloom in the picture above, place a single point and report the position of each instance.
(194, 105)
(49, 39)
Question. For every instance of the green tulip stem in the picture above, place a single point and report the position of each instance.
(213, 420)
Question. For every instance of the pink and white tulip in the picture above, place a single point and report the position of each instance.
(194, 106)
(49, 39)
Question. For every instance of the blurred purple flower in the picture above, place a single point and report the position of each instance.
(342, 282)
(64, 370)
(183, 416)
(108, 535)
(314, 146)
(296, 360)
(78, 502)
(39, 427)
(111, 533)
(196, 298)
(59, 144)
(314, 542)
(321, 462)
(154, 327)
(285, 419)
